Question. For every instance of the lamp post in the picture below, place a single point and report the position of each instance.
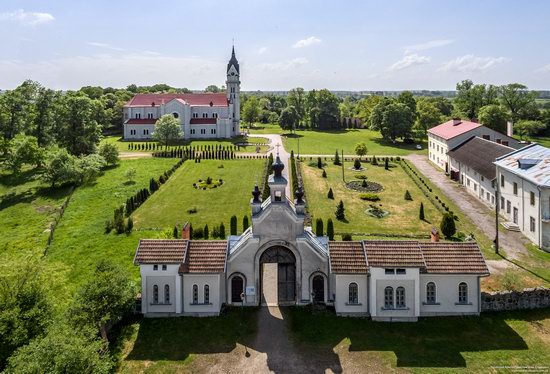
(497, 205)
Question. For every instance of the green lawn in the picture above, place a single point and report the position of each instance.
(169, 345)
(79, 238)
(27, 207)
(123, 145)
(441, 344)
(403, 218)
(170, 205)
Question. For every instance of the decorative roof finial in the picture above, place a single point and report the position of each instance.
(299, 194)
(256, 194)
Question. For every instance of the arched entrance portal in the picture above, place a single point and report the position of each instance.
(278, 276)
(318, 288)
(237, 288)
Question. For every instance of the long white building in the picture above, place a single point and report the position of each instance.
(279, 261)
(201, 115)
(524, 187)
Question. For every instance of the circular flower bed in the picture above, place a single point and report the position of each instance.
(208, 183)
(376, 212)
(364, 186)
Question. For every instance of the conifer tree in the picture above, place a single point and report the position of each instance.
(336, 158)
(340, 211)
(330, 229)
(330, 195)
(175, 232)
(245, 223)
(421, 212)
(324, 175)
(319, 163)
(408, 195)
(233, 225)
(129, 225)
(319, 227)
(205, 234)
(448, 227)
(386, 164)
(222, 231)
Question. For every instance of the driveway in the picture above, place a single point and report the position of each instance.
(513, 243)
(274, 140)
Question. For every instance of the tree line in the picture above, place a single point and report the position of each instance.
(404, 116)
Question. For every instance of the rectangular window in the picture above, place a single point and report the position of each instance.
(498, 140)
(487, 137)
(532, 224)
(502, 181)
(532, 197)
(488, 196)
(508, 206)
(389, 271)
(192, 131)
(501, 203)
(505, 142)
(212, 131)
(401, 271)
(215, 115)
(164, 267)
(205, 115)
(515, 188)
(155, 267)
(203, 131)
(475, 186)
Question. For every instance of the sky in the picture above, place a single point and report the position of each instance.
(280, 44)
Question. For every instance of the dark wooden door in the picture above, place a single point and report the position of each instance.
(286, 282)
(318, 286)
(237, 287)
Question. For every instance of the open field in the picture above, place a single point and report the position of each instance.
(170, 205)
(327, 142)
(437, 344)
(80, 240)
(403, 218)
(168, 345)
(123, 145)
(27, 207)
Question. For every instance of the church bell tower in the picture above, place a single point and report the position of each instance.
(233, 85)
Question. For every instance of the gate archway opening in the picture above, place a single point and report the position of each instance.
(278, 276)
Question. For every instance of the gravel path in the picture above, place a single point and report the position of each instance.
(513, 243)
(275, 139)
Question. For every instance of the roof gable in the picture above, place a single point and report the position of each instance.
(480, 154)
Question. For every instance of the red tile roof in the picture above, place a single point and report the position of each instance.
(391, 253)
(139, 121)
(453, 128)
(203, 121)
(347, 258)
(160, 251)
(205, 256)
(194, 99)
(453, 258)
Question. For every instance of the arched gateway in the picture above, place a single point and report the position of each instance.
(278, 276)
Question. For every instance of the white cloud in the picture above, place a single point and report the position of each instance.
(306, 42)
(117, 70)
(544, 69)
(262, 50)
(106, 46)
(27, 18)
(408, 61)
(428, 45)
(285, 65)
(471, 63)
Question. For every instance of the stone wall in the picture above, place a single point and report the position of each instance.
(529, 298)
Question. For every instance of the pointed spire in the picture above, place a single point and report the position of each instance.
(233, 61)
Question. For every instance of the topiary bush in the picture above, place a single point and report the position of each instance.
(408, 195)
(369, 197)
(447, 226)
(324, 175)
(357, 164)
(330, 194)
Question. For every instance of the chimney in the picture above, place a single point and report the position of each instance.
(456, 121)
(434, 235)
(186, 231)
(509, 129)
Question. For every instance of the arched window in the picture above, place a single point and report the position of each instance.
(166, 294)
(463, 293)
(155, 294)
(176, 115)
(195, 294)
(400, 297)
(352, 294)
(430, 293)
(388, 298)
(206, 294)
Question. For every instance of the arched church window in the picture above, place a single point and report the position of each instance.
(400, 297)
(206, 294)
(353, 297)
(430, 293)
(166, 294)
(463, 293)
(155, 294)
(195, 294)
(388, 297)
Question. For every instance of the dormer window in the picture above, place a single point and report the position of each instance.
(527, 163)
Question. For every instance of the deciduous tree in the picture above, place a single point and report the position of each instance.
(167, 130)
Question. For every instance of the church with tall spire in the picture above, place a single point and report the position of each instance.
(201, 115)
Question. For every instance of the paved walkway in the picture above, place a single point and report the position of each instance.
(275, 139)
(513, 243)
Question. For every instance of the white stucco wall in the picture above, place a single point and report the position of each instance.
(379, 281)
(478, 185)
(201, 308)
(447, 295)
(150, 278)
(341, 302)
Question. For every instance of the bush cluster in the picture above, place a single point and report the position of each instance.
(207, 152)
(369, 197)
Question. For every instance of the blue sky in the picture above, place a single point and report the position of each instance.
(341, 45)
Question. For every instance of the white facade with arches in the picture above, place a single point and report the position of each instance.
(279, 261)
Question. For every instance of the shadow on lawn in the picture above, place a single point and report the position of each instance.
(430, 342)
